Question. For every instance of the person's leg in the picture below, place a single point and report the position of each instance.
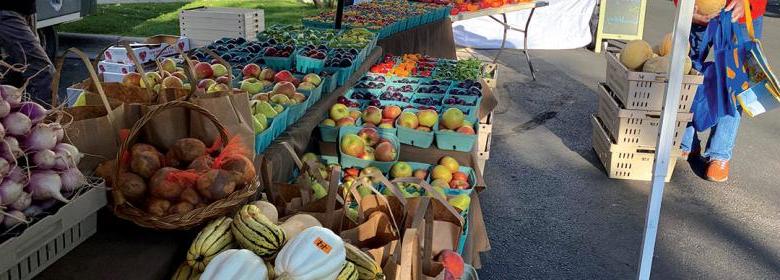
(22, 46)
(690, 141)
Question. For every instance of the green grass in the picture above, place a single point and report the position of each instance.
(149, 19)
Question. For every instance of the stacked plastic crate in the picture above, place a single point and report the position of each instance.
(207, 24)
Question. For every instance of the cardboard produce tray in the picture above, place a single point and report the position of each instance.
(635, 127)
(626, 161)
(50, 238)
(645, 91)
(207, 24)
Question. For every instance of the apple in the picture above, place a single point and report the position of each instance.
(459, 184)
(421, 174)
(372, 173)
(423, 128)
(251, 86)
(441, 172)
(353, 145)
(251, 70)
(313, 79)
(427, 117)
(466, 130)
(280, 99)
(172, 82)
(283, 75)
(391, 112)
(203, 71)
(132, 79)
(261, 96)
(372, 115)
(328, 122)
(452, 118)
(180, 75)
(338, 111)
(460, 176)
(440, 183)
(153, 78)
(368, 154)
(385, 152)
(267, 74)
(307, 86)
(295, 81)
(401, 170)
(219, 70)
(354, 172)
(355, 114)
(164, 74)
(299, 97)
(369, 125)
(369, 135)
(205, 83)
(285, 88)
(386, 125)
(408, 120)
(222, 80)
(345, 121)
(168, 65)
(450, 260)
(216, 88)
(450, 162)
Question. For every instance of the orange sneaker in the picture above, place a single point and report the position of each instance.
(718, 170)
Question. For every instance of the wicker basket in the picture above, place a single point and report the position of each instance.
(126, 210)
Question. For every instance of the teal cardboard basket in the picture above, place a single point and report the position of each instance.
(304, 64)
(279, 63)
(437, 97)
(279, 123)
(329, 84)
(415, 137)
(472, 181)
(341, 75)
(331, 133)
(406, 80)
(454, 141)
(313, 95)
(351, 161)
(263, 140)
(403, 105)
(296, 112)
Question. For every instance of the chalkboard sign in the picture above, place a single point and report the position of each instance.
(620, 19)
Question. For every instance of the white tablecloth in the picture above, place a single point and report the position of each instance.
(564, 24)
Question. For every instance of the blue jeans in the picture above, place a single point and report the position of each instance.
(724, 134)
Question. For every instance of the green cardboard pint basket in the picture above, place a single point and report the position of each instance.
(279, 63)
(331, 133)
(455, 141)
(279, 123)
(263, 140)
(351, 161)
(415, 137)
(304, 64)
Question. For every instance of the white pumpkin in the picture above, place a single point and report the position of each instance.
(297, 223)
(315, 254)
(235, 264)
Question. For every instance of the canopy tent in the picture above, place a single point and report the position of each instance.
(564, 24)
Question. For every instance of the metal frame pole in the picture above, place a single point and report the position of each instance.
(682, 29)
(339, 13)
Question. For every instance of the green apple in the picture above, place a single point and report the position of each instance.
(427, 117)
(338, 111)
(251, 86)
(266, 109)
(408, 120)
(401, 170)
(168, 65)
(260, 123)
(279, 108)
(219, 70)
(318, 190)
(453, 118)
(353, 145)
(313, 79)
(460, 202)
(280, 99)
(328, 122)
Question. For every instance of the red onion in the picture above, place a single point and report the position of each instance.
(12, 95)
(42, 137)
(10, 191)
(67, 156)
(33, 110)
(58, 130)
(22, 202)
(45, 184)
(44, 159)
(18, 174)
(72, 179)
(9, 149)
(5, 167)
(5, 108)
(2, 131)
(14, 218)
(17, 124)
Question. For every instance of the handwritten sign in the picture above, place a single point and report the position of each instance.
(620, 19)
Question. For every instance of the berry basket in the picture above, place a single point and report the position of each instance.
(455, 141)
(414, 137)
(278, 63)
(305, 64)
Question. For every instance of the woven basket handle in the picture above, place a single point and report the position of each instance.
(55, 82)
(119, 199)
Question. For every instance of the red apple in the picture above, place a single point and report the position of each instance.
(283, 75)
(459, 184)
(452, 263)
(421, 174)
(391, 112)
(385, 152)
(345, 121)
(206, 83)
(352, 145)
(372, 115)
(370, 135)
(203, 71)
(251, 70)
(132, 80)
(466, 130)
(267, 74)
(285, 88)
(222, 80)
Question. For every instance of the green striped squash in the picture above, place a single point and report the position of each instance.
(255, 232)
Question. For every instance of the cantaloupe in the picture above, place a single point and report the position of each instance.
(665, 48)
(660, 65)
(635, 53)
(709, 7)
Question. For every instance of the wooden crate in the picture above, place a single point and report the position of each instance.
(635, 127)
(645, 91)
(626, 161)
(208, 24)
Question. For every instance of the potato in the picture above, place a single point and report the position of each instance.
(132, 186)
(145, 163)
(171, 160)
(216, 184)
(160, 186)
(105, 170)
(181, 208)
(202, 163)
(188, 149)
(158, 207)
(240, 166)
(141, 147)
(190, 195)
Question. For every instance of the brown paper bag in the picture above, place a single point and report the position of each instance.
(94, 130)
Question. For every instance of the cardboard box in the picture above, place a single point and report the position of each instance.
(109, 77)
(168, 45)
(119, 54)
(111, 67)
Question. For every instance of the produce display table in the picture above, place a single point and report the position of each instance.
(434, 39)
(493, 12)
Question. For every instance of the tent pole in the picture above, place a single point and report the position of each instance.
(339, 13)
(681, 31)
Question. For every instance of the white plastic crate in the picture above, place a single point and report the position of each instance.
(635, 127)
(208, 24)
(626, 161)
(645, 91)
(50, 238)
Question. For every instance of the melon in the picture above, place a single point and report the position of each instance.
(635, 53)
(660, 65)
(709, 7)
(665, 48)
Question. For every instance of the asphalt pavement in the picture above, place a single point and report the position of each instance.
(552, 213)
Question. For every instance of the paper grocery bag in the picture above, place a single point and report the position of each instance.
(232, 110)
(376, 235)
